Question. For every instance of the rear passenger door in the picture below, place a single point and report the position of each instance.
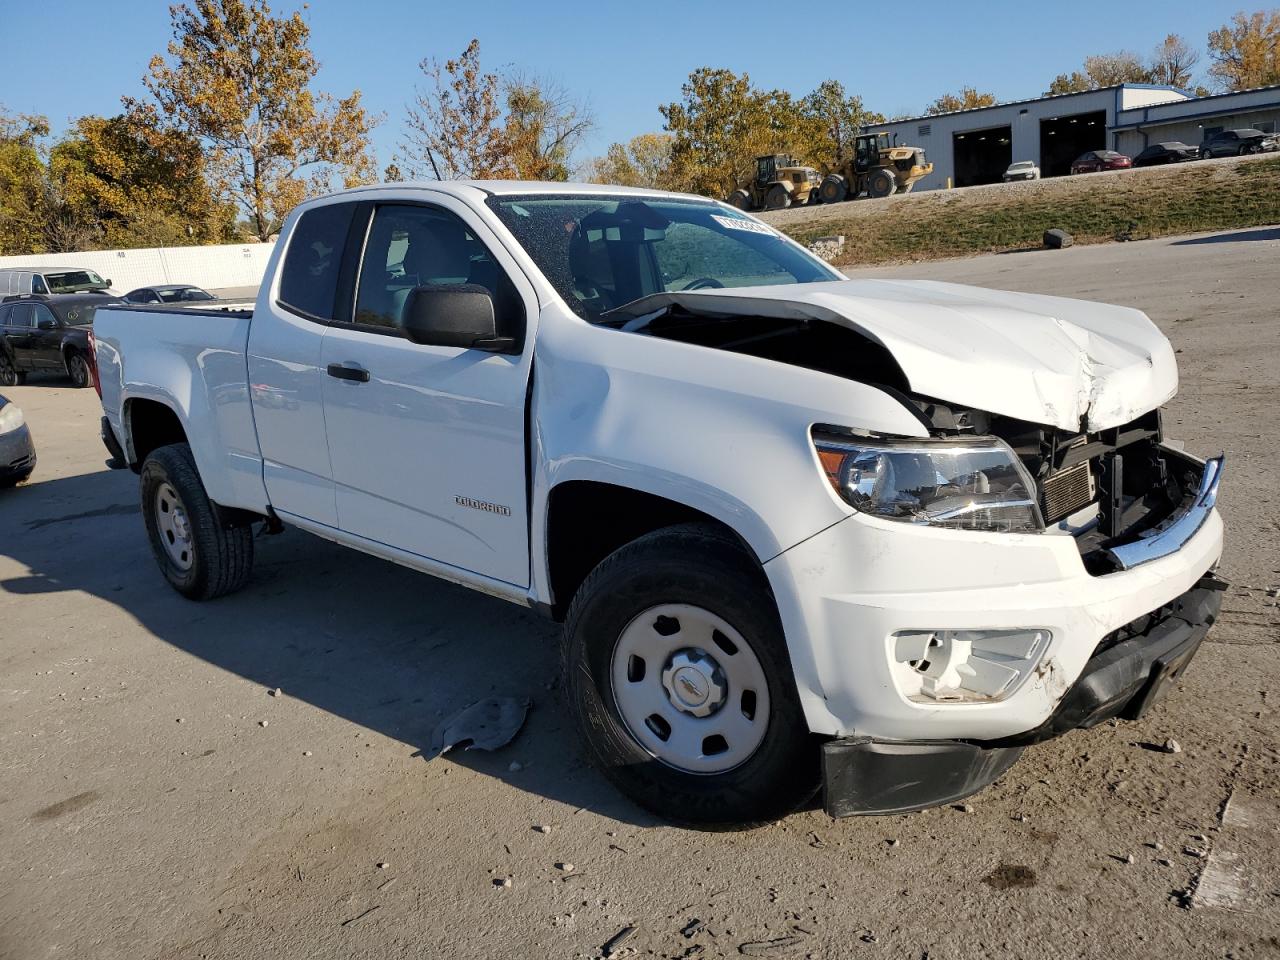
(284, 363)
(46, 337)
(19, 331)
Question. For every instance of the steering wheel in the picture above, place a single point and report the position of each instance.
(705, 283)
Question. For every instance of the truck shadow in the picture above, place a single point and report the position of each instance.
(381, 646)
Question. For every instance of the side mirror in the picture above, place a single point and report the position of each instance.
(47, 324)
(453, 315)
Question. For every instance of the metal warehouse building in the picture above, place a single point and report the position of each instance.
(976, 146)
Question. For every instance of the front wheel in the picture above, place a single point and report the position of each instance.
(678, 674)
(200, 555)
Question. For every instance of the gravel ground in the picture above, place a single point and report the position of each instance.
(158, 800)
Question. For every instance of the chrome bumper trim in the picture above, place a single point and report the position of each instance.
(1177, 530)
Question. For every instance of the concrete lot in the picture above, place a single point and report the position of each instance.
(157, 801)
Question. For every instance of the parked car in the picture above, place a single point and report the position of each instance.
(801, 530)
(169, 293)
(1096, 161)
(17, 452)
(1022, 170)
(1171, 152)
(15, 281)
(1231, 143)
(48, 333)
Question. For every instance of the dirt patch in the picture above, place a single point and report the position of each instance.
(63, 807)
(1009, 876)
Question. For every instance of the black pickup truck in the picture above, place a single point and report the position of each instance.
(47, 332)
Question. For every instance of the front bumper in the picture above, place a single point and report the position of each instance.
(17, 454)
(845, 593)
(1128, 673)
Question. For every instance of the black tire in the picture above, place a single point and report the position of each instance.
(9, 376)
(740, 199)
(778, 198)
(699, 565)
(881, 184)
(78, 370)
(221, 556)
(833, 188)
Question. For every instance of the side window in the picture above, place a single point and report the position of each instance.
(20, 316)
(309, 273)
(416, 246)
(41, 313)
(4, 316)
(37, 284)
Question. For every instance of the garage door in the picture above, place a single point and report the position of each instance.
(1062, 139)
(982, 156)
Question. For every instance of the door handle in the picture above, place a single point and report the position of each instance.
(345, 372)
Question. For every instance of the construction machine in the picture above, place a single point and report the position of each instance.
(780, 181)
(877, 168)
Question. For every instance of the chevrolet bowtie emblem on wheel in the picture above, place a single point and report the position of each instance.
(484, 505)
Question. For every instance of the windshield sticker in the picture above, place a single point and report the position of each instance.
(750, 226)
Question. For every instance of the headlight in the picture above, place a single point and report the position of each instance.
(10, 417)
(970, 484)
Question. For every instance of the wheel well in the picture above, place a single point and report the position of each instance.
(151, 425)
(587, 521)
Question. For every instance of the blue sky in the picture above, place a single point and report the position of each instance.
(624, 58)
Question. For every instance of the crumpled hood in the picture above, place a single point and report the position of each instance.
(1047, 360)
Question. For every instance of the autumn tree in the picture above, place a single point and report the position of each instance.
(723, 123)
(543, 127)
(832, 120)
(1107, 70)
(240, 81)
(1173, 62)
(453, 128)
(967, 99)
(142, 183)
(643, 161)
(1246, 52)
(22, 182)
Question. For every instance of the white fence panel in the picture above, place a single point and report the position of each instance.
(230, 265)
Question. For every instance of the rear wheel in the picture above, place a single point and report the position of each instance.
(740, 199)
(9, 376)
(201, 556)
(678, 674)
(78, 370)
(778, 198)
(833, 188)
(881, 183)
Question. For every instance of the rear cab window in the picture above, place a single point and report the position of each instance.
(313, 263)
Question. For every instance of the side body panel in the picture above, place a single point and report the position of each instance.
(194, 364)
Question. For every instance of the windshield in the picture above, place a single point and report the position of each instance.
(73, 280)
(602, 252)
(183, 293)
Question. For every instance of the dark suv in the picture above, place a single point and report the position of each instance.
(1231, 143)
(47, 333)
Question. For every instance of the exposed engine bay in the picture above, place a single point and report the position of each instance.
(1104, 488)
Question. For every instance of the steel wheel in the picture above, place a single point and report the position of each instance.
(174, 527)
(690, 689)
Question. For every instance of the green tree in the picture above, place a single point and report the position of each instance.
(967, 99)
(643, 161)
(240, 81)
(1246, 52)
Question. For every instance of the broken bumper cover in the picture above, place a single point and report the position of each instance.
(1131, 670)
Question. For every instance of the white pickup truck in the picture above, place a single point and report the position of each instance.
(802, 531)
